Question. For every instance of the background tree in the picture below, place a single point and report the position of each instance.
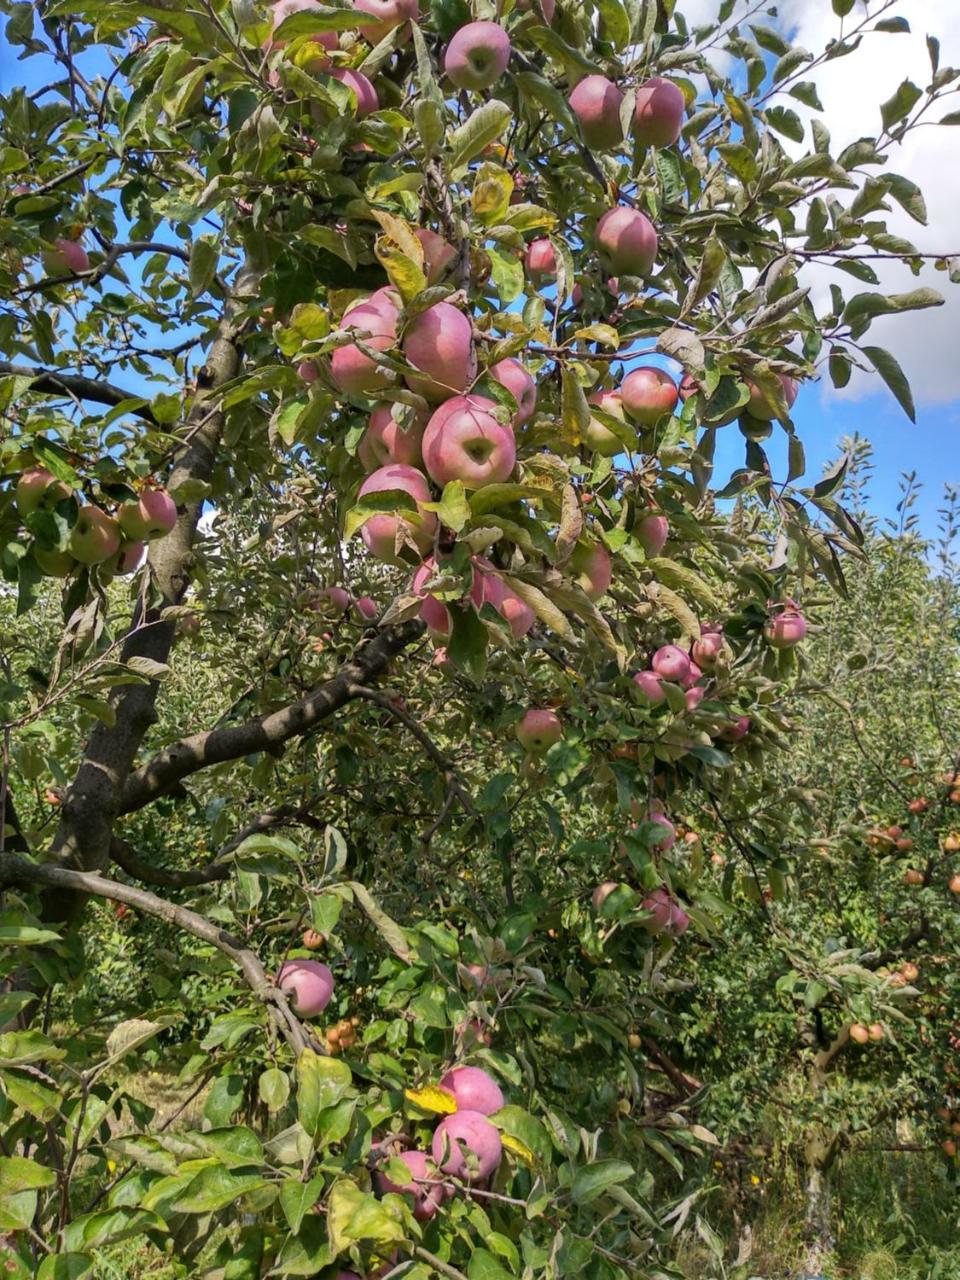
(253, 261)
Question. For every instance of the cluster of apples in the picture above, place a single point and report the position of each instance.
(115, 543)
(465, 1144)
(949, 1117)
(334, 602)
(664, 913)
(862, 1034)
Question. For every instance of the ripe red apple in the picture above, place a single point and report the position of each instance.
(152, 516)
(671, 663)
(426, 1190)
(679, 920)
(949, 1148)
(693, 697)
(386, 440)
(602, 892)
(37, 488)
(67, 257)
(658, 118)
(912, 876)
(539, 730)
(380, 531)
(308, 983)
(736, 731)
(596, 102)
(876, 1032)
(439, 343)
(367, 608)
(283, 9)
(307, 371)
(598, 437)
(127, 560)
(652, 532)
(660, 906)
(363, 89)
(708, 648)
(541, 261)
(954, 884)
(626, 242)
(669, 837)
(650, 687)
(467, 1146)
(859, 1033)
(464, 441)
(332, 601)
(757, 405)
(786, 628)
(511, 374)
(389, 14)
(919, 805)
(473, 1090)
(353, 372)
(54, 564)
(592, 569)
(477, 56)
(95, 537)
(648, 393)
(494, 591)
(692, 677)
(438, 254)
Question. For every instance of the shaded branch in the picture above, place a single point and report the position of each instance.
(53, 382)
(15, 870)
(232, 742)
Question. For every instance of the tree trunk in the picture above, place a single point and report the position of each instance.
(818, 1226)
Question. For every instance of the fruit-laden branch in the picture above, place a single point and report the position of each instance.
(92, 801)
(53, 382)
(433, 751)
(15, 870)
(232, 742)
(215, 868)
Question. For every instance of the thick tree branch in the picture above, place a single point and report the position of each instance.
(53, 382)
(15, 870)
(233, 741)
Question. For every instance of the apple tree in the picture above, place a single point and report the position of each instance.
(363, 371)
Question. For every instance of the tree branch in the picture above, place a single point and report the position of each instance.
(231, 742)
(15, 870)
(53, 382)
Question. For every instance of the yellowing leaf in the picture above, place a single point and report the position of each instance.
(402, 234)
(404, 273)
(518, 1148)
(432, 1098)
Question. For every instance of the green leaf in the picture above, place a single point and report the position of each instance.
(484, 1266)
(485, 125)
(273, 1088)
(224, 1100)
(297, 1197)
(708, 273)
(22, 935)
(890, 371)
(452, 510)
(321, 1082)
(354, 1215)
(65, 1266)
(203, 265)
(19, 1174)
(388, 929)
(785, 121)
(19, 1048)
(467, 646)
(591, 1181)
(531, 1132)
(842, 7)
(901, 104)
(215, 1188)
(908, 195)
(864, 307)
(37, 1099)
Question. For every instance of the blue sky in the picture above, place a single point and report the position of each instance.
(925, 342)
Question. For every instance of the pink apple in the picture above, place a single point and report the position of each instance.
(426, 1189)
(95, 537)
(38, 487)
(67, 257)
(626, 242)
(660, 907)
(511, 374)
(692, 676)
(648, 393)
(736, 731)
(281, 11)
(367, 608)
(389, 14)
(492, 590)
(592, 569)
(539, 730)
(153, 516)
(650, 687)
(363, 90)
(332, 601)
(652, 533)
(668, 839)
(387, 440)
(358, 374)
(307, 371)
(308, 983)
(477, 56)
(127, 560)
(463, 441)
(433, 611)
(786, 628)
(679, 920)
(438, 254)
(380, 531)
(658, 118)
(602, 892)
(473, 1090)
(598, 437)
(541, 261)
(757, 405)
(708, 648)
(467, 1146)
(596, 102)
(671, 663)
(689, 386)
(439, 343)
(693, 697)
